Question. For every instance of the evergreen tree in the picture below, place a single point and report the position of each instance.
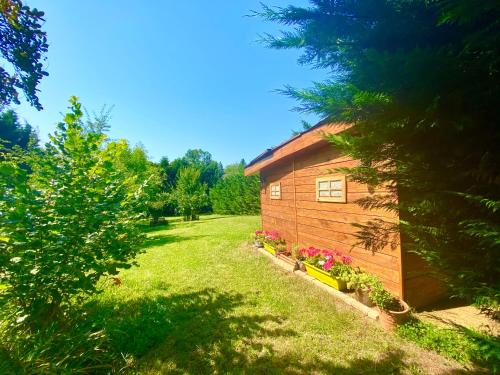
(13, 133)
(419, 81)
(236, 194)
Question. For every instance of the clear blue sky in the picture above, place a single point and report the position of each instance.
(180, 74)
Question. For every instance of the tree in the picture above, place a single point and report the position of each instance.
(236, 194)
(234, 169)
(419, 80)
(22, 45)
(13, 133)
(65, 224)
(210, 170)
(133, 162)
(190, 194)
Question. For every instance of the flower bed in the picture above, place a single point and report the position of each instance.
(273, 243)
(325, 277)
(328, 266)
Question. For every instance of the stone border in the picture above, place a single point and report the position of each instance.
(367, 311)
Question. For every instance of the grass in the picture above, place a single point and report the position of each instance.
(203, 301)
(461, 344)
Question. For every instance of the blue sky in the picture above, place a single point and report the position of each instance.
(180, 74)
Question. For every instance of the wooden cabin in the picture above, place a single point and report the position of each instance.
(311, 205)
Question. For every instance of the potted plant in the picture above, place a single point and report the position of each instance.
(323, 266)
(299, 258)
(362, 283)
(259, 238)
(392, 310)
(272, 242)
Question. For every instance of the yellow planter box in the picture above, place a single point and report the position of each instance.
(325, 277)
(269, 248)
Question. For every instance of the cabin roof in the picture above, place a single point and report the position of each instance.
(300, 142)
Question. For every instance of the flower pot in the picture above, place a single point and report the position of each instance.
(363, 296)
(325, 277)
(258, 244)
(301, 266)
(269, 248)
(286, 259)
(391, 319)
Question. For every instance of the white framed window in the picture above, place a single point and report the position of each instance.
(331, 189)
(275, 190)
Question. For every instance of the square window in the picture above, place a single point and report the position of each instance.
(331, 189)
(275, 191)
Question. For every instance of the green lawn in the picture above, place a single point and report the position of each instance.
(203, 301)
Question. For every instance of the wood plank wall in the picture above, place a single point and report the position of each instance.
(300, 219)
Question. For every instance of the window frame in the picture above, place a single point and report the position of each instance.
(332, 199)
(271, 195)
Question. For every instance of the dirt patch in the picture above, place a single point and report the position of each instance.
(453, 314)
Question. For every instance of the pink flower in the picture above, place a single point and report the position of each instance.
(328, 264)
(346, 259)
(327, 253)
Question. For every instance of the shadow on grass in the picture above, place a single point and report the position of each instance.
(161, 240)
(146, 228)
(200, 333)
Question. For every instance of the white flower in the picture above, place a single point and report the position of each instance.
(15, 259)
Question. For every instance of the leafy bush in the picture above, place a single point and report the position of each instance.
(361, 280)
(190, 194)
(236, 195)
(68, 217)
(463, 345)
(383, 298)
(59, 348)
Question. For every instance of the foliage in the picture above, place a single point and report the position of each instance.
(234, 169)
(22, 45)
(360, 280)
(463, 345)
(190, 194)
(341, 271)
(134, 164)
(13, 133)
(383, 298)
(210, 171)
(59, 348)
(419, 82)
(236, 195)
(68, 222)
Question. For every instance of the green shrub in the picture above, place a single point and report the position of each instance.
(190, 194)
(463, 345)
(383, 298)
(236, 195)
(68, 218)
